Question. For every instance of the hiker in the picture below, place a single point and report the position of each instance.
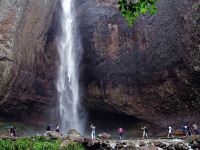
(120, 131)
(57, 128)
(93, 131)
(12, 131)
(186, 130)
(169, 132)
(48, 129)
(195, 127)
(144, 132)
(189, 129)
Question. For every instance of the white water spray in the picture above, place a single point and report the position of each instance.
(68, 75)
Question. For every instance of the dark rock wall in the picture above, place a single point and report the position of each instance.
(27, 58)
(150, 70)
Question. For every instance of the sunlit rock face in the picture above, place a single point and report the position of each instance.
(27, 57)
(150, 70)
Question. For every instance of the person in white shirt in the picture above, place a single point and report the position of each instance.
(57, 128)
(93, 131)
(144, 132)
(169, 132)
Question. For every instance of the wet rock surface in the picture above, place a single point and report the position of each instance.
(27, 58)
(150, 70)
(194, 142)
(104, 136)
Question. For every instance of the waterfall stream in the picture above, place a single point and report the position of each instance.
(68, 74)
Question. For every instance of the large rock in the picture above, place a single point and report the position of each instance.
(181, 146)
(148, 148)
(130, 147)
(105, 136)
(150, 70)
(27, 58)
(54, 135)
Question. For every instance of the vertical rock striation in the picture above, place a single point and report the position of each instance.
(27, 57)
(150, 70)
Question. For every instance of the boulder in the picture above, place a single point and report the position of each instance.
(73, 132)
(151, 147)
(142, 143)
(130, 147)
(54, 135)
(74, 135)
(195, 145)
(119, 145)
(4, 133)
(197, 139)
(159, 144)
(104, 136)
(181, 146)
(170, 147)
(92, 144)
(64, 143)
(179, 133)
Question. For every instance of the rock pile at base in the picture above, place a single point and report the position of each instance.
(104, 142)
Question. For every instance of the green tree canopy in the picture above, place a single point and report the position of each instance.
(130, 9)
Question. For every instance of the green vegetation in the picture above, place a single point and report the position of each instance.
(131, 9)
(37, 143)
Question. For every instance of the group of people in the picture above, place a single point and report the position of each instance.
(48, 129)
(188, 129)
(93, 132)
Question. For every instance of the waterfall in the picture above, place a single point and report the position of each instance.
(68, 73)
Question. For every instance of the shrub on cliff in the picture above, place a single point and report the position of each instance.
(130, 9)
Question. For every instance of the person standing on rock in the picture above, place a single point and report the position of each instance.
(48, 129)
(120, 131)
(12, 131)
(195, 127)
(57, 128)
(144, 132)
(186, 130)
(189, 129)
(169, 132)
(93, 131)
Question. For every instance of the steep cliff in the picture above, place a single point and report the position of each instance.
(151, 70)
(27, 58)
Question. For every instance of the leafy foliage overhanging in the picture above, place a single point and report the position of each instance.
(130, 9)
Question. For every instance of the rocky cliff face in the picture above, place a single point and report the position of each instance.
(27, 57)
(151, 70)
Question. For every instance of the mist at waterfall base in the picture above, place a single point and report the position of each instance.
(72, 115)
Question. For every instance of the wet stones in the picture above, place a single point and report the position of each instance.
(194, 142)
(104, 136)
